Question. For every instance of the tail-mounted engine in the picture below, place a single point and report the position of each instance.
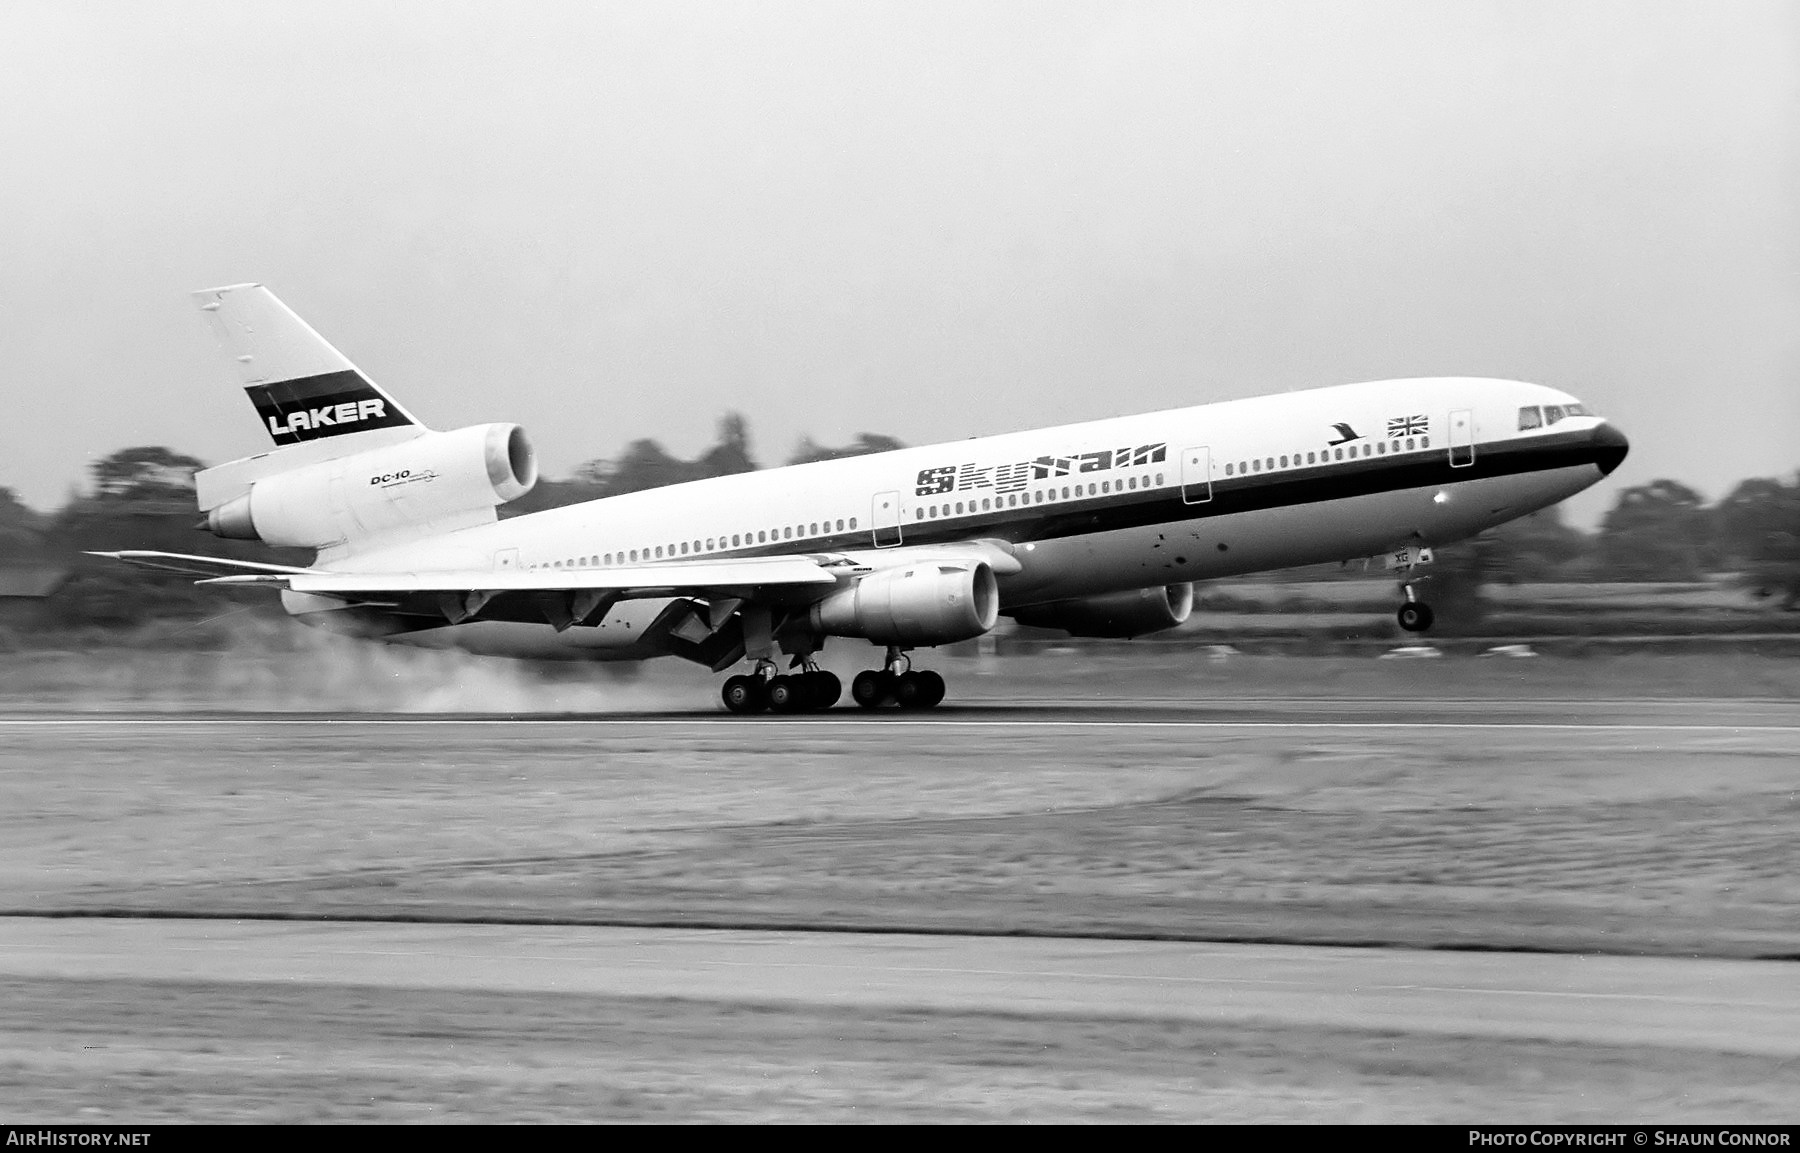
(931, 603)
(420, 482)
(1128, 614)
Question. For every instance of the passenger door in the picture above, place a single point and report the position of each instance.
(1462, 438)
(884, 519)
(1196, 475)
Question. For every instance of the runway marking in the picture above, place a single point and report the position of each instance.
(865, 723)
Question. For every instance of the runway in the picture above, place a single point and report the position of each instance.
(1667, 714)
(1571, 908)
(1720, 1006)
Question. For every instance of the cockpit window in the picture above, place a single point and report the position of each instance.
(1552, 413)
(1576, 410)
(1529, 418)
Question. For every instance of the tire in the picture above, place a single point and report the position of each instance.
(910, 691)
(1415, 616)
(932, 689)
(788, 694)
(872, 688)
(743, 695)
(826, 689)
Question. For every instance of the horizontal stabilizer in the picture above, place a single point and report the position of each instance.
(208, 566)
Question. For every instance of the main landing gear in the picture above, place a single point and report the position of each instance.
(897, 683)
(810, 690)
(814, 690)
(1415, 615)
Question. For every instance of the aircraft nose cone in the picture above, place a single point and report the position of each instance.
(1610, 447)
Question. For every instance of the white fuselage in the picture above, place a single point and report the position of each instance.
(1131, 502)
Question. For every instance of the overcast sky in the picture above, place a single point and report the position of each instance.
(607, 221)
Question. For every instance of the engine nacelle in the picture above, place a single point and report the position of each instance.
(1128, 614)
(930, 603)
(415, 482)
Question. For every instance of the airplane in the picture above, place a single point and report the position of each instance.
(1098, 529)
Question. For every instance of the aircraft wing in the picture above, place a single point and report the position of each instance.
(723, 576)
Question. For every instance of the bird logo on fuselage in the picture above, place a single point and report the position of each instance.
(1345, 434)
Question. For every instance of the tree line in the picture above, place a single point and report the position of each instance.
(143, 498)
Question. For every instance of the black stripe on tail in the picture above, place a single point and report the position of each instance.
(330, 404)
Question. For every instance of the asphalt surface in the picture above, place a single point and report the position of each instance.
(1723, 1006)
(1714, 1005)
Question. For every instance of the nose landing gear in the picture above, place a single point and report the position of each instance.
(1415, 615)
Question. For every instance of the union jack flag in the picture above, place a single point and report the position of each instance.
(1409, 425)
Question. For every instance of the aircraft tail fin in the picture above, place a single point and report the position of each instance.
(303, 389)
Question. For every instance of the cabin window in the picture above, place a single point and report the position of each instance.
(1381, 448)
(1106, 486)
(1038, 496)
(761, 536)
(986, 504)
(1309, 458)
(659, 552)
(815, 528)
(852, 522)
(1284, 462)
(787, 533)
(1424, 442)
(840, 526)
(1409, 444)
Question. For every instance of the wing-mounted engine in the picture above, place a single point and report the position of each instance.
(936, 602)
(433, 482)
(1117, 615)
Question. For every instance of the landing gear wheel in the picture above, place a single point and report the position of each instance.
(789, 694)
(824, 689)
(1415, 616)
(744, 694)
(872, 688)
(918, 690)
